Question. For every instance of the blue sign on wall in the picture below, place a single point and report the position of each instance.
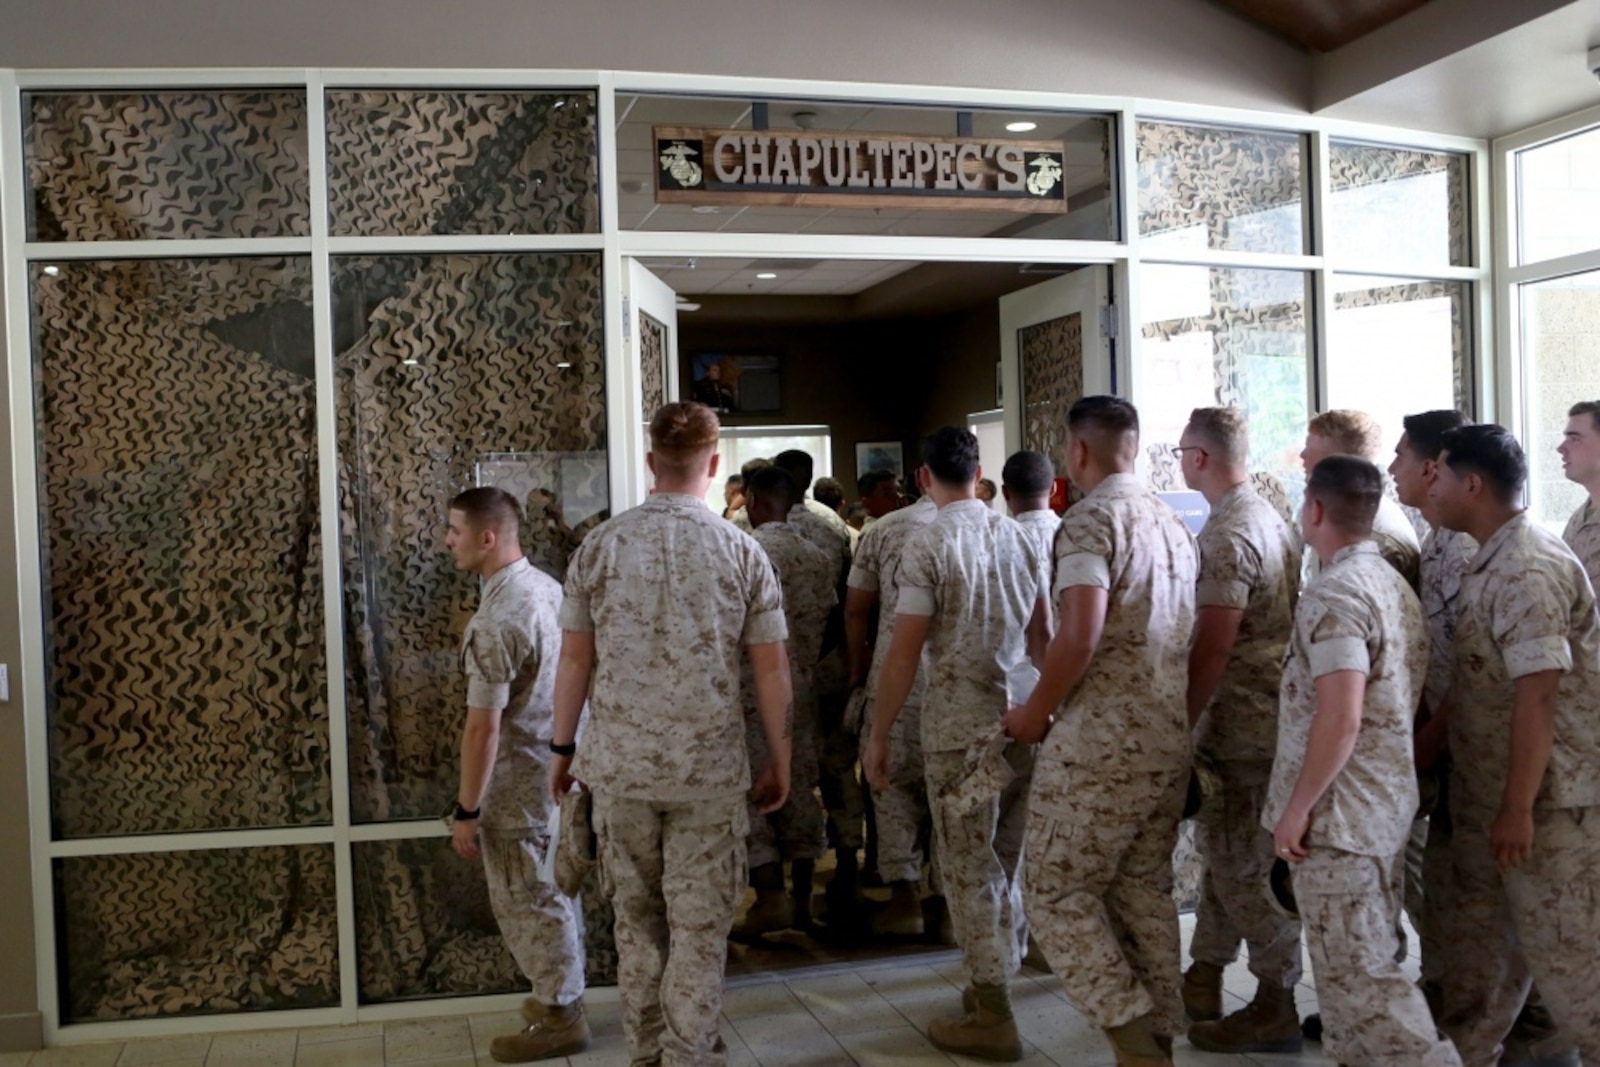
(1191, 508)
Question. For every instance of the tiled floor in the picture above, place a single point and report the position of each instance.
(875, 1015)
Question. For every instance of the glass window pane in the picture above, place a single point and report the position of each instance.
(1079, 178)
(738, 446)
(453, 371)
(407, 162)
(425, 928)
(172, 164)
(1397, 204)
(1558, 197)
(197, 933)
(1217, 336)
(1204, 187)
(1561, 349)
(182, 546)
(1397, 347)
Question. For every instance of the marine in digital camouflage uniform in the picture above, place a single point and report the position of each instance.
(1525, 743)
(662, 603)
(1110, 780)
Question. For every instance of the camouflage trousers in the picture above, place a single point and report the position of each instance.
(542, 927)
(1540, 921)
(1372, 1013)
(902, 809)
(1098, 888)
(797, 830)
(839, 751)
(675, 872)
(1235, 901)
(979, 857)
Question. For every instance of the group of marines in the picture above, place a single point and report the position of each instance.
(1042, 700)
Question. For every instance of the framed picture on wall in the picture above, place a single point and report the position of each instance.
(735, 385)
(879, 455)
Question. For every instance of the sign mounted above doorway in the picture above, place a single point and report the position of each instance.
(806, 168)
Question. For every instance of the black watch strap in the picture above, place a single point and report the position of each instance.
(563, 750)
(462, 814)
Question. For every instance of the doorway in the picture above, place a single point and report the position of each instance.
(857, 361)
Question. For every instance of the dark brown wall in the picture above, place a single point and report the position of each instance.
(871, 380)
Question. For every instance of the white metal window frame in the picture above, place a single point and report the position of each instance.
(623, 392)
(1510, 276)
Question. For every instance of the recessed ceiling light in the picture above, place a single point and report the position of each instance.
(52, 270)
(409, 362)
(1021, 127)
(766, 275)
(685, 305)
(706, 209)
(563, 365)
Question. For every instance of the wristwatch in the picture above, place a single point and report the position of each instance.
(462, 814)
(563, 750)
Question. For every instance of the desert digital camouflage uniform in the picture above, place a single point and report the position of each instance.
(806, 574)
(1042, 526)
(1109, 784)
(508, 655)
(1525, 606)
(1582, 535)
(1361, 616)
(672, 593)
(838, 745)
(1429, 886)
(902, 809)
(978, 578)
(1249, 560)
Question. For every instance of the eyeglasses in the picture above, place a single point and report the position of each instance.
(1181, 449)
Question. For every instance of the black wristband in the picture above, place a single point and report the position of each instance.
(463, 815)
(563, 750)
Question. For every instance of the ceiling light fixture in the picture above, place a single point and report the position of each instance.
(52, 270)
(409, 362)
(686, 305)
(1021, 127)
(766, 276)
(563, 365)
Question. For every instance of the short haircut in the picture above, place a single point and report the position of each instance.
(681, 432)
(1222, 433)
(488, 507)
(828, 492)
(951, 454)
(799, 465)
(1590, 408)
(1028, 473)
(1425, 430)
(1108, 424)
(1349, 488)
(1490, 452)
(750, 466)
(868, 483)
(773, 481)
(735, 479)
(1354, 433)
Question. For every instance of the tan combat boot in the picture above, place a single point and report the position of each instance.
(556, 1033)
(902, 916)
(1269, 1023)
(773, 909)
(1202, 992)
(987, 1031)
(1137, 1044)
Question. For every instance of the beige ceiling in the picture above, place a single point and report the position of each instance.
(1323, 25)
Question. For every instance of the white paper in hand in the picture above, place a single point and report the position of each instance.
(546, 871)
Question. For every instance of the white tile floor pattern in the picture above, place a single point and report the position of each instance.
(874, 1016)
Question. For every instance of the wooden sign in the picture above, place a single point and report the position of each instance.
(808, 168)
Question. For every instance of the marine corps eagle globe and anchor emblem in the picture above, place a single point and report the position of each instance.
(1046, 173)
(677, 160)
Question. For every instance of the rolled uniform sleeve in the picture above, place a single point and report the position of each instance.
(1530, 623)
(1228, 571)
(763, 621)
(575, 614)
(917, 580)
(489, 662)
(1338, 642)
(864, 568)
(1083, 550)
